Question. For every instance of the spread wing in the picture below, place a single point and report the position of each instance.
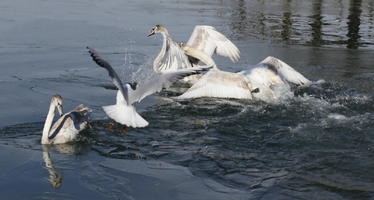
(284, 70)
(113, 75)
(171, 58)
(220, 84)
(159, 81)
(200, 55)
(209, 40)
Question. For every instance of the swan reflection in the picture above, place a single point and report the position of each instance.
(55, 177)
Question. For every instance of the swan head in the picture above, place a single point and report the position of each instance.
(158, 29)
(57, 102)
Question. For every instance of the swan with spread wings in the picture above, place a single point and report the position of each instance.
(202, 44)
(268, 80)
(260, 81)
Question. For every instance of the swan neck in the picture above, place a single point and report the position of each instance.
(165, 32)
(157, 61)
(48, 123)
(164, 43)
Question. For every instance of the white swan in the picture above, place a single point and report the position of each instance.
(123, 111)
(202, 44)
(266, 81)
(67, 127)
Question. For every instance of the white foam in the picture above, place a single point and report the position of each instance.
(337, 116)
(297, 128)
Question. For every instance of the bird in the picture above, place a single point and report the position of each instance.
(67, 127)
(202, 44)
(261, 81)
(267, 81)
(124, 111)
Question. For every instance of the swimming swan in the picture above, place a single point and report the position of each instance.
(123, 111)
(67, 127)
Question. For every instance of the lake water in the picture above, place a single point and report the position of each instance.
(317, 144)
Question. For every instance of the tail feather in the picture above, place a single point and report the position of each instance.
(125, 115)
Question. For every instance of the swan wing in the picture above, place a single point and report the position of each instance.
(200, 55)
(172, 58)
(113, 75)
(159, 81)
(58, 126)
(79, 116)
(220, 84)
(284, 70)
(74, 119)
(209, 40)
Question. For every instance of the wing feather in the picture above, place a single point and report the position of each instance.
(285, 71)
(220, 84)
(171, 58)
(159, 81)
(59, 124)
(209, 40)
(200, 55)
(113, 75)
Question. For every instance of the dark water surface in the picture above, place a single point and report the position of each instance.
(316, 144)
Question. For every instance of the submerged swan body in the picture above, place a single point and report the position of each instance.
(202, 44)
(67, 127)
(266, 81)
(123, 111)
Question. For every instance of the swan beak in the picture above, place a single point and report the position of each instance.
(59, 108)
(152, 33)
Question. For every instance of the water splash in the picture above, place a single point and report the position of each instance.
(251, 145)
